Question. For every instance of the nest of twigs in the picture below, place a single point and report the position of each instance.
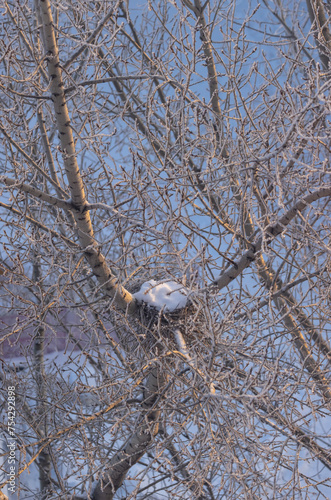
(155, 330)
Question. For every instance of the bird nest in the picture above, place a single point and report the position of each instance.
(155, 331)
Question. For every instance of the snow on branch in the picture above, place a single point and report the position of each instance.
(163, 295)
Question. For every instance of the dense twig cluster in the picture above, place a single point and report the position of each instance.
(187, 142)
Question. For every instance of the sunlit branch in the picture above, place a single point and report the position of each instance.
(271, 232)
(85, 230)
(37, 193)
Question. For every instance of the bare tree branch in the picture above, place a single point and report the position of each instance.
(85, 231)
(271, 232)
(320, 23)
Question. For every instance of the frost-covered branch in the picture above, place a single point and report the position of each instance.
(320, 23)
(271, 231)
(37, 193)
(97, 261)
(198, 10)
(33, 163)
(186, 355)
(38, 224)
(90, 40)
(137, 444)
(110, 79)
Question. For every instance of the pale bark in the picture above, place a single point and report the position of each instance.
(96, 260)
(41, 195)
